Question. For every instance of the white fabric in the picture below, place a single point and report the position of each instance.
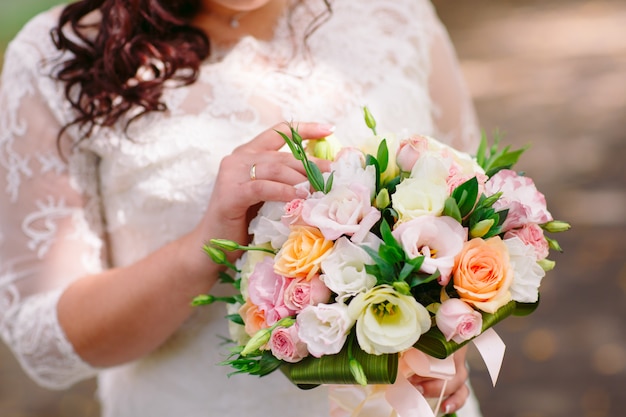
(114, 200)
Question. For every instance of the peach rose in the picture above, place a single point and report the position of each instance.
(483, 274)
(302, 253)
(253, 317)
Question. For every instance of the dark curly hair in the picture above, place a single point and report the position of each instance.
(105, 56)
(107, 51)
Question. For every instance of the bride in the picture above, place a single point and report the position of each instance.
(127, 133)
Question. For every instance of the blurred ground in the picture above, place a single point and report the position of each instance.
(550, 73)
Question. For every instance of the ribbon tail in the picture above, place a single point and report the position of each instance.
(406, 400)
(491, 348)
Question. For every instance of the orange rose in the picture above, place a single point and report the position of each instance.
(482, 274)
(252, 317)
(302, 253)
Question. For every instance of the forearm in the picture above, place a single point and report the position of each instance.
(124, 313)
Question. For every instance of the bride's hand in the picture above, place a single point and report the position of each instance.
(456, 391)
(253, 173)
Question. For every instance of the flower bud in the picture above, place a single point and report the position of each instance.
(369, 119)
(556, 226)
(357, 372)
(259, 339)
(546, 264)
(481, 228)
(383, 199)
(216, 255)
(225, 244)
(402, 287)
(326, 148)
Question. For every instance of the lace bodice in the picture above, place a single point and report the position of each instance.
(116, 199)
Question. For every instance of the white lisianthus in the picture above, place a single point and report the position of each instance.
(349, 168)
(424, 192)
(324, 328)
(237, 331)
(387, 321)
(267, 226)
(344, 269)
(527, 273)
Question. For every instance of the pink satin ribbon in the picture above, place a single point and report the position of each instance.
(402, 399)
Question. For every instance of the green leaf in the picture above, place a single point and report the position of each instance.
(466, 195)
(370, 160)
(451, 209)
(383, 155)
(329, 183)
(236, 318)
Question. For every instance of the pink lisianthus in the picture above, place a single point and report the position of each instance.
(458, 321)
(286, 344)
(266, 290)
(345, 210)
(438, 239)
(301, 292)
(531, 235)
(520, 196)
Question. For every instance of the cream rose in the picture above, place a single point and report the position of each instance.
(483, 275)
(387, 321)
(302, 253)
(424, 192)
(527, 274)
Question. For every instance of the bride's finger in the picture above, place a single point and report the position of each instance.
(271, 140)
(275, 172)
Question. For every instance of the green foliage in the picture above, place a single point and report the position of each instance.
(295, 143)
(492, 160)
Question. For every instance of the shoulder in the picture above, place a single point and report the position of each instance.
(33, 43)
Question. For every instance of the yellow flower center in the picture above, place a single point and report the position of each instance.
(383, 309)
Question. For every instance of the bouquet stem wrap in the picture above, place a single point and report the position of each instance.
(335, 369)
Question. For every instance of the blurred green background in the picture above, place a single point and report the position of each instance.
(550, 73)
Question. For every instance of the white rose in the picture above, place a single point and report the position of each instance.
(387, 321)
(527, 274)
(267, 226)
(344, 269)
(324, 328)
(420, 196)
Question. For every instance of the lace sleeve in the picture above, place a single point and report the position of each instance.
(49, 228)
(453, 110)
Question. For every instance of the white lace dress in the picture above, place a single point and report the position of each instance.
(115, 200)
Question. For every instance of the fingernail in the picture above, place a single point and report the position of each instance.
(301, 193)
(327, 126)
(448, 409)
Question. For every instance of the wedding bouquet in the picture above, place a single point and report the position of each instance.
(417, 247)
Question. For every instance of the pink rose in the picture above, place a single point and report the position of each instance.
(409, 151)
(266, 289)
(457, 178)
(286, 345)
(438, 239)
(531, 235)
(519, 195)
(345, 210)
(293, 210)
(302, 292)
(458, 321)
